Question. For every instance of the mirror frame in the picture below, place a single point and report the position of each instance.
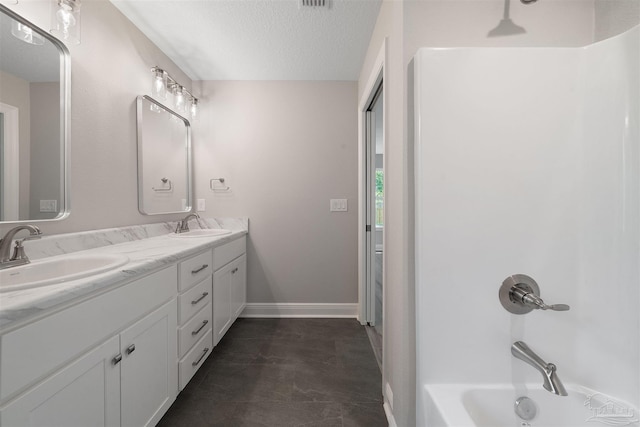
(187, 125)
(65, 108)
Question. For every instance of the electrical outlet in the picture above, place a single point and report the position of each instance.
(338, 205)
(202, 205)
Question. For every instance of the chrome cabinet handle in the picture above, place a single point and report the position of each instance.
(117, 359)
(204, 323)
(198, 270)
(203, 296)
(204, 353)
(131, 349)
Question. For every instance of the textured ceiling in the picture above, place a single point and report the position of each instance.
(258, 39)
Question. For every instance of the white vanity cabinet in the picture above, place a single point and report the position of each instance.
(107, 361)
(195, 340)
(229, 285)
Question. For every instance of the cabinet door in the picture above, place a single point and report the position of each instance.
(149, 380)
(221, 302)
(86, 393)
(238, 286)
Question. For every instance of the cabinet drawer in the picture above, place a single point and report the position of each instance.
(194, 359)
(193, 300)
(228, 252)
(194, 270)
(194, 329)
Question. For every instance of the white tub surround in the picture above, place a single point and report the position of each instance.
(527, 162)
(492, 405)
(148, 247)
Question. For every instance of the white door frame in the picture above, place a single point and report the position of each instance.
(366, 269)
(11, 164)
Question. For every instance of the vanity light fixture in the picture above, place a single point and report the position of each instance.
(65, 21)
(178, 93)
(25, 33)
(159, 84)
(194, 108)
(183, 101)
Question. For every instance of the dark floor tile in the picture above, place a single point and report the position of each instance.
(355, 353)
(238, 351)
(200, 412)
(248, 383)
(298, 351)
(285, 372)
(279, 414)
(363, 415)
(328, 328)
(323, 383)
(260, 328)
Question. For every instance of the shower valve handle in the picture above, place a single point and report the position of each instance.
(528, 297)
(520, 294)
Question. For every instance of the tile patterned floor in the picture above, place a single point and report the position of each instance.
(285, 372)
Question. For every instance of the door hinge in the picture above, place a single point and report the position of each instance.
(368, 227)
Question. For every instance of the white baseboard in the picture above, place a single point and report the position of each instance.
(389, 414)
(300, 310)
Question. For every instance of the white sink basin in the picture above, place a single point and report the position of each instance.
(58, 269)
(205, 232)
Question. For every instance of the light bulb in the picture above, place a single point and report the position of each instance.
(26, 34)
(159, 84)
(180, 106)
(194, 108)
(65, 21)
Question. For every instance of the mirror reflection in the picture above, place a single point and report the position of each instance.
(34, 70)
(164, 159)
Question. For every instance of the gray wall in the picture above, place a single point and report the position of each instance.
(15, 92)
(285, 149)
(45, 149)
(109, 69)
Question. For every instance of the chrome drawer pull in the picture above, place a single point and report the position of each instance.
(203, 296)
(117, 359)
(131, 349)
(204, 353)
(204, 323)
(198, 270)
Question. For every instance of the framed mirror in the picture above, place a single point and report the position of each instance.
(164, 159)
(34, 122)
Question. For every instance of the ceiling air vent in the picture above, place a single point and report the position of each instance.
(306, 4)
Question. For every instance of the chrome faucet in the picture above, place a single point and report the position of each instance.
(19, 257)
(552, 383)
(183, 226)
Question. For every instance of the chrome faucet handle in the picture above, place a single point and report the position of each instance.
(532, 299)
(520, 294)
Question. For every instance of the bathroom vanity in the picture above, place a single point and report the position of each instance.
(115, 349)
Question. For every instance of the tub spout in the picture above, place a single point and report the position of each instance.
(552, 383)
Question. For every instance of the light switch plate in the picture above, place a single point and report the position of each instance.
(338, 205)
(202, 206)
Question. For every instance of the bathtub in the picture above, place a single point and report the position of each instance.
(461, 405)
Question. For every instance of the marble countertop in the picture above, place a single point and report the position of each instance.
(148, 247)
